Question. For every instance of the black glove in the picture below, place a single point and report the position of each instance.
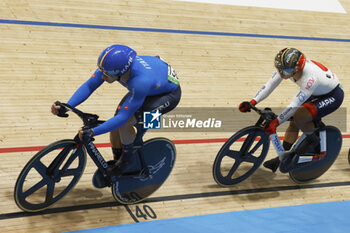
(244, 107)
(62, 111)
(88, 135)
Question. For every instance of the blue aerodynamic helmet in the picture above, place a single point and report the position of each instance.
(116, 60)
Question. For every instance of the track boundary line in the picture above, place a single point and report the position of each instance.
(174, 198)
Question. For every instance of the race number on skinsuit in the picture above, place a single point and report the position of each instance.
(172, 77)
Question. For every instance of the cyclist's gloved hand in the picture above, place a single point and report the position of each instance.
(56, 109)
(86, 135)
(62, 112)
(270, 128)
(245, 106)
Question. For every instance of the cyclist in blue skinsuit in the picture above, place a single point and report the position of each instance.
(152, 84)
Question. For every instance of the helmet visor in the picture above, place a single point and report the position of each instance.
(288, 71)
(112, 74)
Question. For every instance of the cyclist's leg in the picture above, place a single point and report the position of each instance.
(305, 116)
(164, 103)
(116, 145)
(319, 107)
(125, 135)
(115, 135)
(304, 119)
(301, 120)
(128, 132)
(122, 141)
(290, 137)
(328, 103)
(315, 109)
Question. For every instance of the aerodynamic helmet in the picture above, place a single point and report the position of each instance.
(288, 61)
(116, 60)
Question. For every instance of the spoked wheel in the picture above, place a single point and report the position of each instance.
(159, 156)
(49, 175)
(306, 172)
(240, 156)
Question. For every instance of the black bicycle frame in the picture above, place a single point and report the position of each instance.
(90, 121)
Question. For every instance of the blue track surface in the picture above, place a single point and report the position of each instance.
(321, 217)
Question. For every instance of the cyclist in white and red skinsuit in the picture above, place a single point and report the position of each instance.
(320, 94)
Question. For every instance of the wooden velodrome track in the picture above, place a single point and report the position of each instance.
(43, 63)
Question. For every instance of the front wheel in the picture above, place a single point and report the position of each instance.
(49, 175)
(159, 157)
(240, 156)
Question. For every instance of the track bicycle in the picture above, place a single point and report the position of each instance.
(56, 169)
(244, 152)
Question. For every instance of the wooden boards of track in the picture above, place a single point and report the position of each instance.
(42, 62)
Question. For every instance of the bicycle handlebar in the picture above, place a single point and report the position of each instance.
(266, 114)
(89, 120)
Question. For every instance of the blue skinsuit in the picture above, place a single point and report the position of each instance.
(148, 77)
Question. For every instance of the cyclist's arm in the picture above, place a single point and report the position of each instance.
(299, 98)
(267, 89)
(127, 110)
(85, 90)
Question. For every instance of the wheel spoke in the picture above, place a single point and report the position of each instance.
(250, 158)
(234, 168)
(260, 143)
(70, 172)
(35, 188)
(233, 154)
(41, 168)
(49, 192)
